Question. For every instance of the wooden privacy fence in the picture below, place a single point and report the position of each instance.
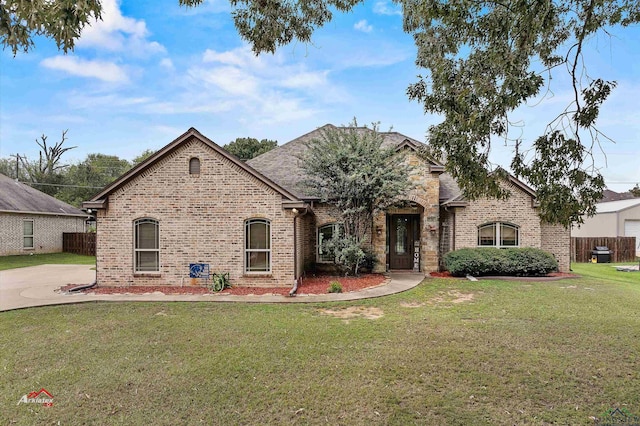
(79, 243)
(624, 248)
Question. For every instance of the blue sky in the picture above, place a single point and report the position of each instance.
(150, 70)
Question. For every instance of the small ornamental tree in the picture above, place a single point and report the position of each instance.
(348, 169)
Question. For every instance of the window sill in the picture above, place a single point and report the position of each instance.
(147, 274)
(257, 275)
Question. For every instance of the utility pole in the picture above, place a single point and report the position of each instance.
(17, 165)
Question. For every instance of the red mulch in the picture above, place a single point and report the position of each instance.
(445, 274)
(309, 285)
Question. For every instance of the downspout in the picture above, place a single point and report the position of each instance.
(293, 291)
(82, 287)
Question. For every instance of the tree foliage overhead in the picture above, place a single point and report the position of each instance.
(483, 59)
(248, 148)
(486, 58)
(60, 20)
(348, 169)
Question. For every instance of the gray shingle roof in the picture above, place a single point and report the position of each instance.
(609, 195)
(18, 197)
(282, 164)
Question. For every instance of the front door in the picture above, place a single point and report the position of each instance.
(403, 232)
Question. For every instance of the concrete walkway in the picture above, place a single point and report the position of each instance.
(35, 286)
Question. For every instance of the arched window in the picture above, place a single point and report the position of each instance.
(326, 233)
(257, 246)
(498, 234)
(146, 242)
(194, 166)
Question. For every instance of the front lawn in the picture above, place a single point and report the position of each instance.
(21, 261)
(448, 352)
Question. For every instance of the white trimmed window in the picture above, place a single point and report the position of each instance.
(146, 245)
(27, 234)
(326, 233)
(257, 250)
(498, 234)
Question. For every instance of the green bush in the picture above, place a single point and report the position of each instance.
(350, 256)
(520, 262)
(334, 287)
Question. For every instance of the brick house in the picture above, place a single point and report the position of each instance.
(32, 221)
(192, 202)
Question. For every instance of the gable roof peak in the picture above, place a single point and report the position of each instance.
(172, 146)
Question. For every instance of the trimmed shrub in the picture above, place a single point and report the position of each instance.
(520, 262)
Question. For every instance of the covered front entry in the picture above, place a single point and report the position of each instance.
(404, 241)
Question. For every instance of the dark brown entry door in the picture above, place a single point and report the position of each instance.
(403, 231)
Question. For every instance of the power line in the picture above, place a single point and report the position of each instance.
(62, 185)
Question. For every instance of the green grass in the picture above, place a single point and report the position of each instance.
(518, 353)
(606, 271)
(21, 261)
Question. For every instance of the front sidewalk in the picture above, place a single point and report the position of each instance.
(24, 295)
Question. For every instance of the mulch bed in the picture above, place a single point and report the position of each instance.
(309, 285)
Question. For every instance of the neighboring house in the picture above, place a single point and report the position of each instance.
(613, 219)
(32, 221)
(192, 202)
(609, 195)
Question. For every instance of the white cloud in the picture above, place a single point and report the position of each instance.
(363, 26)
(101, 70)
(268, 88)
(306, 79)
(232, 80)
(241, 57)
(384, 8)
(167, 64)
(115, 32)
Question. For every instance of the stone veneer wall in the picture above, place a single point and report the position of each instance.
(517, 210)
(202, 220)
(47, 232)
(425, 193)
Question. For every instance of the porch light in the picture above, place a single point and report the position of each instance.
(379, 230)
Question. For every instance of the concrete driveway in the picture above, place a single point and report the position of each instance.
(35, 285)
